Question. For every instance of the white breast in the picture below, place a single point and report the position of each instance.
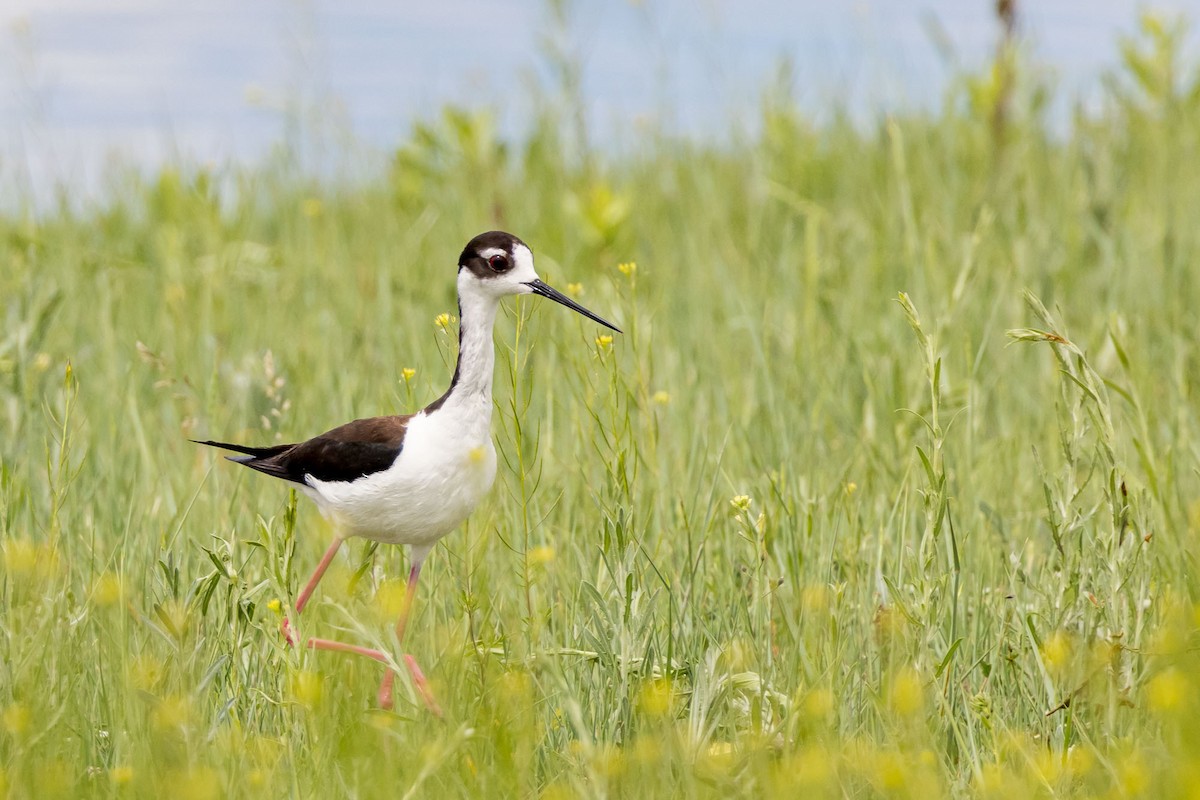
(446, 466)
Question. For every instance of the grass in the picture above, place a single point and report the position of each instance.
(890, 489)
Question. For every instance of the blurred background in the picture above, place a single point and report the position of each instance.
(890, 488)
(87, 85)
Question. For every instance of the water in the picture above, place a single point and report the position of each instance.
(88, 83)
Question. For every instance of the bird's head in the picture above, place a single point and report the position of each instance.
(499, 264)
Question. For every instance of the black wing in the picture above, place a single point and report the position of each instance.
(345, 453)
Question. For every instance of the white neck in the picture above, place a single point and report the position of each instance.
(471, 389)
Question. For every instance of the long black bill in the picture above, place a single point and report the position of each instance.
(544, 290)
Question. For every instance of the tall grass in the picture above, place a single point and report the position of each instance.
(890, 488)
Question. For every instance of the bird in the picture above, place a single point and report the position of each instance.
(412, 479)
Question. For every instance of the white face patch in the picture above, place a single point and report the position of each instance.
(506, 283)
(523, 270)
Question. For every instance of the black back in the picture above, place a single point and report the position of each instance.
(346, 453)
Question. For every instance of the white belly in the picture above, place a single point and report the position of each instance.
(446, 466)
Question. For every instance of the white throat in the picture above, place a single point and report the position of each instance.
(472, 386)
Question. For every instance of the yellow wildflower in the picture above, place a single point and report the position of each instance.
(108, 590)
(515, 689)
(541, 555)
(145, 672)
(1133, 774)
(407, 373)
(16, 719)
(609, 761)
(716, 760)
(655, 697)
(819, 704)
(1056, 651)
(815, 599)
(809, 770)
(1168, 690)
(1080, 760)
(627, 268)
(891, 770)
(20, 557)
(198, 783)
(307, 688)
(173, 712)
(647, 751)
(604, 341)
(906, 696)
(390, 599)
(557, 791)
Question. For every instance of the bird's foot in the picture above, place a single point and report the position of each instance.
(420, 683)
(386, 701)
(386, 689)
(285, 628)
(422, 686)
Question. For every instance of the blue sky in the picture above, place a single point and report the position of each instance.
(86, 82)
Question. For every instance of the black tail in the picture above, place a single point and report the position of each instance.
(259, 458)
(253, 452)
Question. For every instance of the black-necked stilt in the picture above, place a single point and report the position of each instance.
(412, 479)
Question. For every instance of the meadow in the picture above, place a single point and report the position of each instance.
(891, 487)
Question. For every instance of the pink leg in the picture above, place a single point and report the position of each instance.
(342, 647)
(309, 587)
(420, 683)
(418, 677)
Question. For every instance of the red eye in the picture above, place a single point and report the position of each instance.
(498, 263)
